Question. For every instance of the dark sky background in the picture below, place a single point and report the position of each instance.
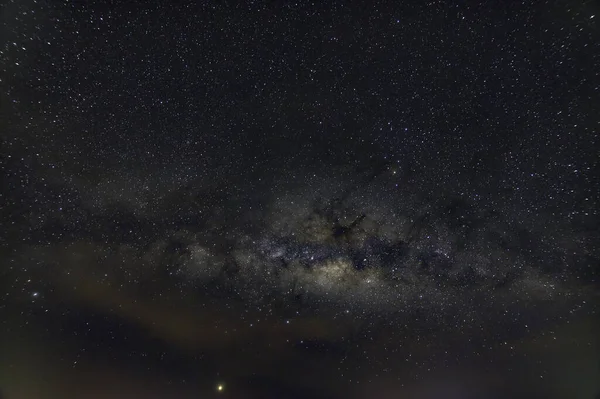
(299, 200)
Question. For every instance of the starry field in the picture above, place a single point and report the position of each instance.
(299, 200)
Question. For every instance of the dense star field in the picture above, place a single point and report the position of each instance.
(300, 200)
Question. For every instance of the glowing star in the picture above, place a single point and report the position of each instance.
(220, 388)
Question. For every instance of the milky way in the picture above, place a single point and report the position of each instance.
(375, 247)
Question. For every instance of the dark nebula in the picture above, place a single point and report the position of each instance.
(299, 200)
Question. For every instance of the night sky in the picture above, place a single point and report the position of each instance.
(300, 200)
